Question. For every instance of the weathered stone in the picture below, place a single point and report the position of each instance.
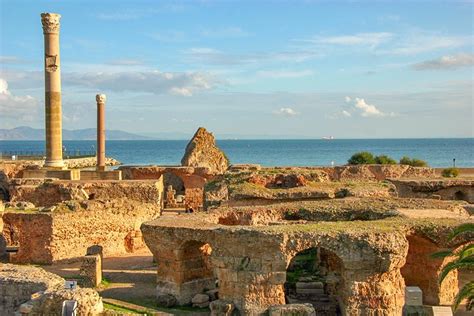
(202, 151)
(213, 294)
(91, 270)
(166, 300)
(200, 298)
(221, 308)
(292, 309)
(309, 285)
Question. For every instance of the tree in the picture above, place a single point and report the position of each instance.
(385, 160)
(462, 259)
(362, 158)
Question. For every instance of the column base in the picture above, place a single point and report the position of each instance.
(54, 164)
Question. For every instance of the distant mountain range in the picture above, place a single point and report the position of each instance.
(28, 133)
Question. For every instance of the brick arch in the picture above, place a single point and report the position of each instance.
(422, 270)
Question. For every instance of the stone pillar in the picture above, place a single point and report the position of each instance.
(100, 98)
(52, 76)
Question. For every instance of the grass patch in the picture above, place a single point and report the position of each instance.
(121, 309)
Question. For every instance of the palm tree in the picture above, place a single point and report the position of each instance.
(462, 259)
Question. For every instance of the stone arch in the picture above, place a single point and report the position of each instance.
(315, 275)
(422, 270)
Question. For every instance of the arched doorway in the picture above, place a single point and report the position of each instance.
(314, 276)
(422, 270)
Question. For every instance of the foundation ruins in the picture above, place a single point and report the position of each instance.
(229, 240)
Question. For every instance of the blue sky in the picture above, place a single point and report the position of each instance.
(265, 69)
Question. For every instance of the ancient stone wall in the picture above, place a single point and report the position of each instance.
(445, 189)
(250, 266)
(66, 233)
(32, 291)
(48, 193)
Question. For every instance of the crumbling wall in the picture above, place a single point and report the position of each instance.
(444, 189)
(69, 230)
(50, 192)
(29, 290)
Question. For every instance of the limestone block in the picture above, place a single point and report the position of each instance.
(166, 300)
(221, 308)
(438, 311)
(292, 309)
(213, 294)
(309, 291)
(200, 298)
(91, 270)
(309, 285)
(413, 296)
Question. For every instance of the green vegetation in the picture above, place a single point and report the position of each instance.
(108, 306)
(105, 282)
(414, 162)
(450, 172)
(362, 158)
(385, 160)
(462, 259)
(367, 158)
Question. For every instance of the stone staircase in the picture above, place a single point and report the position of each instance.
(313, 292)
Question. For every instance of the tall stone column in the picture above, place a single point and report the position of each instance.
(100, 98)
(52, 76)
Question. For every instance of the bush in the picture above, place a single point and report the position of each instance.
(450, 172)
(362, 158)
(413, 162)
(385, 160)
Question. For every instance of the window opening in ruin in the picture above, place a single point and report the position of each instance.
(459, 195)
(314, 276)
(174, 192)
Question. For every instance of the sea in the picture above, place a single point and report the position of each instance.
(437, 152)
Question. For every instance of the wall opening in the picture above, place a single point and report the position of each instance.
(174, 191)
(461, 196)
(314, 276)
(422, 270)
(197, 274)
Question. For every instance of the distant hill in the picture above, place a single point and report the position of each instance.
(28, 133)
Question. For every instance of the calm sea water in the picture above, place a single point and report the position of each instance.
(437, 152)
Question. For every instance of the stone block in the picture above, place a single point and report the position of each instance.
(309, 291)
(200, 298)
(91, 270)
(292, 309)
(309, 285)
(438, 311)
(166, 300)
(413, 296)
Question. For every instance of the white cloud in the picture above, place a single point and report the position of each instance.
(421, 42)
(346, 113)
(364, 109)
(16, 107)
(284, 73)
(9, 60)
(286, 112)
(216, 57)
(446, 62)
(367, 39)
(157, 82)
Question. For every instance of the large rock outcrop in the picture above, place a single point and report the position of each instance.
(202, 151)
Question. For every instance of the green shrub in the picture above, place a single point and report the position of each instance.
(361, 158)
(450, 172)
(414, 162)
(385, 160)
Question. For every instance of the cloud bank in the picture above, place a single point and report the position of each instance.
(17, 107)
(446, 62)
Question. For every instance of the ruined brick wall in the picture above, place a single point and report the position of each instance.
(64, 234)
(31, 233)
(444, 189)
(48, 193)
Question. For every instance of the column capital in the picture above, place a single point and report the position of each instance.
(100, 98)
(50, 22)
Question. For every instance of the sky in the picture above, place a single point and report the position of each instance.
(247, 69)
